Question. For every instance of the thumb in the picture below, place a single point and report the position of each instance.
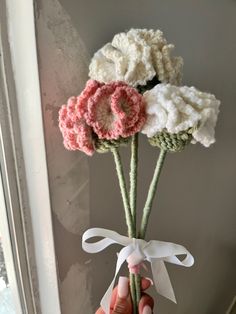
(123, 302)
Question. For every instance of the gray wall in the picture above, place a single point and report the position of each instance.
(196, 196)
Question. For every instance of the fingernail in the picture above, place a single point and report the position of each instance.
(147, 310)
(123, 287)
(149, 279)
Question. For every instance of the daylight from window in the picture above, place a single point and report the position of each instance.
(6, 299)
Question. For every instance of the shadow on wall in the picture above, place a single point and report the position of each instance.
(63, 64)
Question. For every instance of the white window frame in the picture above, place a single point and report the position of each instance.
(23, 162)
(8, 251)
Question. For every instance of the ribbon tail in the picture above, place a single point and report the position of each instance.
(162, 280)
(106, 300)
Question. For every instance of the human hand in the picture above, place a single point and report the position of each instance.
(121, 299)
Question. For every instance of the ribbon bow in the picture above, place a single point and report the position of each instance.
(136, 251)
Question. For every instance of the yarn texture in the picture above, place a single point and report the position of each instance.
(111, 112)
(173, 109)
(104, 146)
(77, 135)
(171, 142)
(136, 57)
(116, 110)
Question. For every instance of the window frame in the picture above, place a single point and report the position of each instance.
(8, 252)
(23, 168)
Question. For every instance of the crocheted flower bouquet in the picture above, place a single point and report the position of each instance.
(135, 87)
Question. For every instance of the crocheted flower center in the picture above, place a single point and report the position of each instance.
(124, 105)
(105, 116)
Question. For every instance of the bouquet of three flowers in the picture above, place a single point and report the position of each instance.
(135, 87)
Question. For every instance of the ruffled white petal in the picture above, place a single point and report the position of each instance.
(136, 57)
(174, 109)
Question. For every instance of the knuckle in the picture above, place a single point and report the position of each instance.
(121, 308)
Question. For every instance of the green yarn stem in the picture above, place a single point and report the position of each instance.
(133, 293)
(129, 218)
(133, 176)
(124, 193)
(135, 278)
(151, 193)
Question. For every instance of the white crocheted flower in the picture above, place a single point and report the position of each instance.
(136, 57)
(174, 109)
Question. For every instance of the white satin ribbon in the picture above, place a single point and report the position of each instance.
(136, 251)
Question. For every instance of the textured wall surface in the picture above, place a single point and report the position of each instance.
(63, 65)
(196, 198)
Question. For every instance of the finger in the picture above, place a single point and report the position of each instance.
(147, 310)
(114, 297)
(123, 303)
(145, 283)
(113, 301)
(146, 304)
(100, 311)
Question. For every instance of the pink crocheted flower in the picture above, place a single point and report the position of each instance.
(116, 110)
(77, 134)
(89, 90)
(110, 110)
